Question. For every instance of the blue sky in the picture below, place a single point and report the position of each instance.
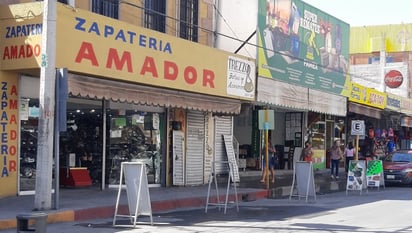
(367, 12)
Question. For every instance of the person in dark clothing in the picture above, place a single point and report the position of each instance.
(369, 150)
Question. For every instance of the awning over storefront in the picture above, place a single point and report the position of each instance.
(364, 110)
(132, 93)
(327, 103)
(283, 94)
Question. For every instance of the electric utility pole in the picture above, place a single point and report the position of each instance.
(43, 195)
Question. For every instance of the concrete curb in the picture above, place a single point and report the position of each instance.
(157, 207)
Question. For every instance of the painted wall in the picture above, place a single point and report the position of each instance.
(394, 38)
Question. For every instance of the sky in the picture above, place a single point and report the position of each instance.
(367, 12)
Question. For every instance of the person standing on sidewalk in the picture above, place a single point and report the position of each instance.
(349, 152)
(272, 151)
(307, 152)
(335, 157)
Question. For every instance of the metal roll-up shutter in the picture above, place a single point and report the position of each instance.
(195, 141)
(223, 126)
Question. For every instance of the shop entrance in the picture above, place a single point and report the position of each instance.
(96, 141)
(134, 134)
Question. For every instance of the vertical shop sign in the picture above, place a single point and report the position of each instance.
(8, 122)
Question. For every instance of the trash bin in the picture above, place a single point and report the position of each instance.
(32, 222)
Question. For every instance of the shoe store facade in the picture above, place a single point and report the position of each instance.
(133, 95)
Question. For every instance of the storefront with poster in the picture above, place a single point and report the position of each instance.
(303, 61)
(124, 104)
(367, 104)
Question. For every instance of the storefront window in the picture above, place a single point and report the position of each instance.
(81, 145)
(29, 116)
(134, 136)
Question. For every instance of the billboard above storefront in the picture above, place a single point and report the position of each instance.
(302, 45)
(96, 45)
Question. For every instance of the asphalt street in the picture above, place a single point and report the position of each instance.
(378, 211)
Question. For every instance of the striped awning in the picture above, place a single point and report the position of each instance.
(274, 92)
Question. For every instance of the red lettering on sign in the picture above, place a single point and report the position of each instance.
(170, 70)
(190, 75)
(13, 119)
(86, 52)
(21, 51)
(14, 91)
(208, 78)
(119, 63)
(116, 60)
(13, 134)
(149, 66)
(12, 166)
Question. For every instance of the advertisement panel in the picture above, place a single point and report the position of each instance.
(96, 45)
(356, 175)
(374, 173)
(319, 159)
(367, 96)
(9, 137)
(302, 45)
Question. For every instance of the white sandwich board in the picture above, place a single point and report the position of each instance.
(137, 191)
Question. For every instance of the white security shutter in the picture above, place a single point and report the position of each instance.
(223, 126)
(178, 158)
(195, 141)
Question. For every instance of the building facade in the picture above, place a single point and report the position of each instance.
(136, 91)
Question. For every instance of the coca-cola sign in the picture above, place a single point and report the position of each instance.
(393, 79)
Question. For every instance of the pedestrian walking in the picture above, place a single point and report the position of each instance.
(335, 157)
(349, 154)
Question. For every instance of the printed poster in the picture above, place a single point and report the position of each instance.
(356, 175)
(374, 173)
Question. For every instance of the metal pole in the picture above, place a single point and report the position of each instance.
(42, 199)
(266, 151)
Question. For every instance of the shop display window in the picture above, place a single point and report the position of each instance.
(29, 115)
(134, 136)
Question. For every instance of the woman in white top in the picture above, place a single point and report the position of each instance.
(349, 153)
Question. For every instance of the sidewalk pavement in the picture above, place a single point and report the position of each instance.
(81, 204)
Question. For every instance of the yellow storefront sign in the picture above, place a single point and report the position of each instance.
(100, 46)
(367, 96)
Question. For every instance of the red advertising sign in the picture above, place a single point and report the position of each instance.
(393, 79)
